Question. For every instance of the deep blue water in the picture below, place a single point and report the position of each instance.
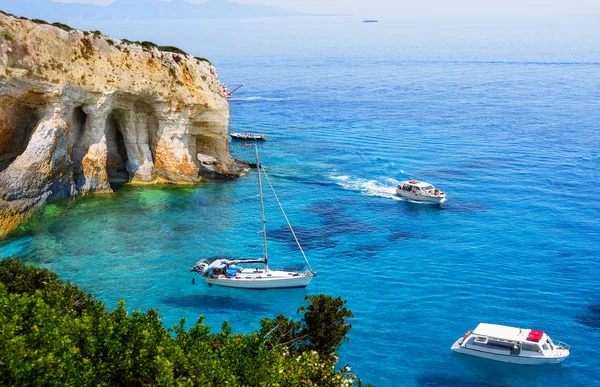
(506, 120)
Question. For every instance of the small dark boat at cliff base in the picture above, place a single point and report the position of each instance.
(247, 136)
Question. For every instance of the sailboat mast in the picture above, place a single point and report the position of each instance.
(262, 208)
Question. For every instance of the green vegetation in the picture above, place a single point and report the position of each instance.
(144, 44)
(5, 35)
(202, 60)
(172, 49)
(39, 21)
(54, 333)
(62, 26)
(148, 45)
(322, 329)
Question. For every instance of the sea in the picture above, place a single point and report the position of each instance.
(504, 117)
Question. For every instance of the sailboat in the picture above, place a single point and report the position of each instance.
(228, 273)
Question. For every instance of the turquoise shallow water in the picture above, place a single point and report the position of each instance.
(509, 130)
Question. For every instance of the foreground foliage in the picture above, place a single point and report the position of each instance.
(52, 333)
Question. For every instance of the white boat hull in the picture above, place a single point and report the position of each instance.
(421, 198)
(262, 280)
(559, 356)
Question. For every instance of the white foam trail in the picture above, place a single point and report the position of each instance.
(384, 189)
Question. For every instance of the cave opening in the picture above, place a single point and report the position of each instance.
(116, 162)
(18, 123)
(77, 142)
(206, 145)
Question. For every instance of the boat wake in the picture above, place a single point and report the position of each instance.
(385, 188)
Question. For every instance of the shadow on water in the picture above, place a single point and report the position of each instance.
(312, 238)
(464, 206)
(335, 222)
(445, 174)
(413, 208)
(216, 304)
(475, 371)
(303, 179)
(449, 380)
(591, 316)
(564, 254)
(399, 235)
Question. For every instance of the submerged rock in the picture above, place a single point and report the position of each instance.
(80, 111)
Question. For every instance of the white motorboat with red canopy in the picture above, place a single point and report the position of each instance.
(511, 345)
(228, 273)
(420, 191)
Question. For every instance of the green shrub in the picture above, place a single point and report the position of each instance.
(5, 35)
(324, 323)
(39, 21)
(97, 33)
(53, 333)
(202, 60)
(148, 45)
(62, 26)
(172, 49)
(323, 327)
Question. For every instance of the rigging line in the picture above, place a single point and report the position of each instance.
(286, 218)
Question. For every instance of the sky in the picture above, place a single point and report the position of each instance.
(517, 9)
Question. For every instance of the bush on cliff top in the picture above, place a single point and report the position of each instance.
(54, 333)
(144, 44)
(172, 49)
(202, 59)
(62, 26)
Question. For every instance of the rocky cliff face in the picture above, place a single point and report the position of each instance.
(81, 112)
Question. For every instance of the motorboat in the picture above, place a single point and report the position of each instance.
(511, 345)
(232, 273)
(247, 136)
(420, 191)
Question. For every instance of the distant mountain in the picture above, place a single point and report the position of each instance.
(140, 9)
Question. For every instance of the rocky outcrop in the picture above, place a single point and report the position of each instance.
(81, 112)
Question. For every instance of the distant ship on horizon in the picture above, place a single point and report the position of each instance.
(370, 21)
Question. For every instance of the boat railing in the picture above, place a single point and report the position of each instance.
(290, 269)
(562, 345)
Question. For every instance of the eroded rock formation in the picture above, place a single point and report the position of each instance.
(81, 112)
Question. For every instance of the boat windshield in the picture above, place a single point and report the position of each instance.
(428, 187)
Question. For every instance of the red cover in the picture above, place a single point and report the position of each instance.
(535, 335)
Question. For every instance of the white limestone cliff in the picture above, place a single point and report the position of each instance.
(80, 112)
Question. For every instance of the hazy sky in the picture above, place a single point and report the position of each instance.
(517, 9)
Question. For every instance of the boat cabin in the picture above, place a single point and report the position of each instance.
(514, 340)
(414, 185)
